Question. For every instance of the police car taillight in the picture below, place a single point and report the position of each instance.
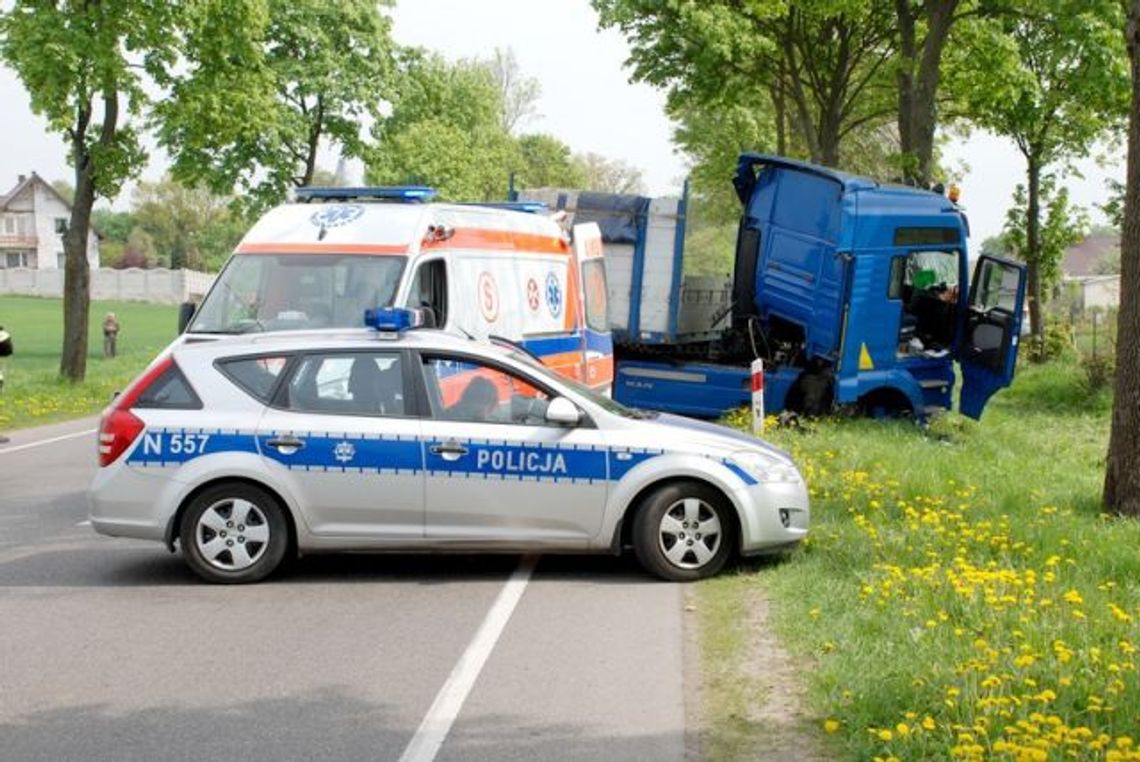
(119, 427)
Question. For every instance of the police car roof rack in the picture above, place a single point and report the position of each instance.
(405, 194)
(531, 207)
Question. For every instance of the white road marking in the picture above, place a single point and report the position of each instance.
(17, 448)
(84, 523)
(429, 736)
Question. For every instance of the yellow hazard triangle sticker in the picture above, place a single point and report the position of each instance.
(865, 362)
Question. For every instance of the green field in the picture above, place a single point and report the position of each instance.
(33, 392)
(961, 595)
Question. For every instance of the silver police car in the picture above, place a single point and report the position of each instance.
(248, 448)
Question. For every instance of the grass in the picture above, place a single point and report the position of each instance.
(961, 595)
(33, 392)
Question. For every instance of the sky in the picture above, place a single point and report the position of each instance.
(587, 101)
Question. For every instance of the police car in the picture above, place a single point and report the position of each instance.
(246, 449)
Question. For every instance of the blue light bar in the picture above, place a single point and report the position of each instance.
(408, 194)
(393, 319)
(530, 207)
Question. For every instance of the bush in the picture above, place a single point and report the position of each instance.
(1099, 371)
(1056, 343)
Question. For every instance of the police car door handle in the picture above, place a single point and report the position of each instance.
(286, 445)
(449, 450)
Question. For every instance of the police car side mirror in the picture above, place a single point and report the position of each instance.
(562, 411)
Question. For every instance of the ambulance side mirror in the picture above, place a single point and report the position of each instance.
(563, 412)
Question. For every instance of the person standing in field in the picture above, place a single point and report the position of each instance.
(110, 334)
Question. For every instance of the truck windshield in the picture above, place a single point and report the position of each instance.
(273, 292)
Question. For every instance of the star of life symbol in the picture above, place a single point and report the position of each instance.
(335, 215)
(553, 295)
(344, 452)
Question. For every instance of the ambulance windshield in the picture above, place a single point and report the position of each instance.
(276, 292)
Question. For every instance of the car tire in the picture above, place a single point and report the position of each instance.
(668, 537)
(234, 533)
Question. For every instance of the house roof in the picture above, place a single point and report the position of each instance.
(29, 180)
(1081, 259)
(5, 198)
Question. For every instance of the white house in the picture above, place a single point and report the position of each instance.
(33, 219)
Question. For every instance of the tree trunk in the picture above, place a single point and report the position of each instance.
(780, 107)
(77, 273)
(1122, 473)
(918, 80)
(1033, 247)
(905, 79)
(314, 143)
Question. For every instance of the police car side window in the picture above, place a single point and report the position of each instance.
(256, 375)
(462, 390)
(353, 383)
(171, 391)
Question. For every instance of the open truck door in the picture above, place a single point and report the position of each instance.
(987, 350)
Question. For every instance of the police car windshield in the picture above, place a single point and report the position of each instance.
(274, 292)
(602, 401)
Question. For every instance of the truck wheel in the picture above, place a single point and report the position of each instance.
(683, 532)
(234, 533)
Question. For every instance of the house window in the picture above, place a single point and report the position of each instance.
(19, 259)
(60, 260)
(9, 225)
(61, 225)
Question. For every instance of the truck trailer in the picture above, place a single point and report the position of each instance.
(852, 292)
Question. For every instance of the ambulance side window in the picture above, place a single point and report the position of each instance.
(429, 289)
(465, 390)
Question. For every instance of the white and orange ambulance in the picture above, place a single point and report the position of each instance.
(488, 271)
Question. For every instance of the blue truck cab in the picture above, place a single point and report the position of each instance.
(851, 291)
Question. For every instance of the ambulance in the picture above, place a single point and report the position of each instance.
(500, 272)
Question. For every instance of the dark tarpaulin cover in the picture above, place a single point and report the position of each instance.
(616, 215)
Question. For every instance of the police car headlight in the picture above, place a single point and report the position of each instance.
(766, 468)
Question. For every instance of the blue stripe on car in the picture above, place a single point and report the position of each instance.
(484, 458)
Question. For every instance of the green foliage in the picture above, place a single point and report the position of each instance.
(1053, 75)
(1061, 226)
(189, 227)
(444, 130)
(1099, 371)
(713, 137)
(266, 82)
(1056, 343)
(545, 162)
(83, 62)
(709, 249)
(1114, 207)
(113, 226)
(822, 61)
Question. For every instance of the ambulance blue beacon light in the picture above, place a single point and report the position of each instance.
(409, 194)
(393, 319)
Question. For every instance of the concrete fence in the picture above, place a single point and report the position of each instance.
(158, 285)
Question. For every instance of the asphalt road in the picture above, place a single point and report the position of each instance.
(111, 650)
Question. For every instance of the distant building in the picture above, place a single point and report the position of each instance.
(33, 219)
(1085, 268)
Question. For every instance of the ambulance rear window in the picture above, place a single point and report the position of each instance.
(597, 310)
